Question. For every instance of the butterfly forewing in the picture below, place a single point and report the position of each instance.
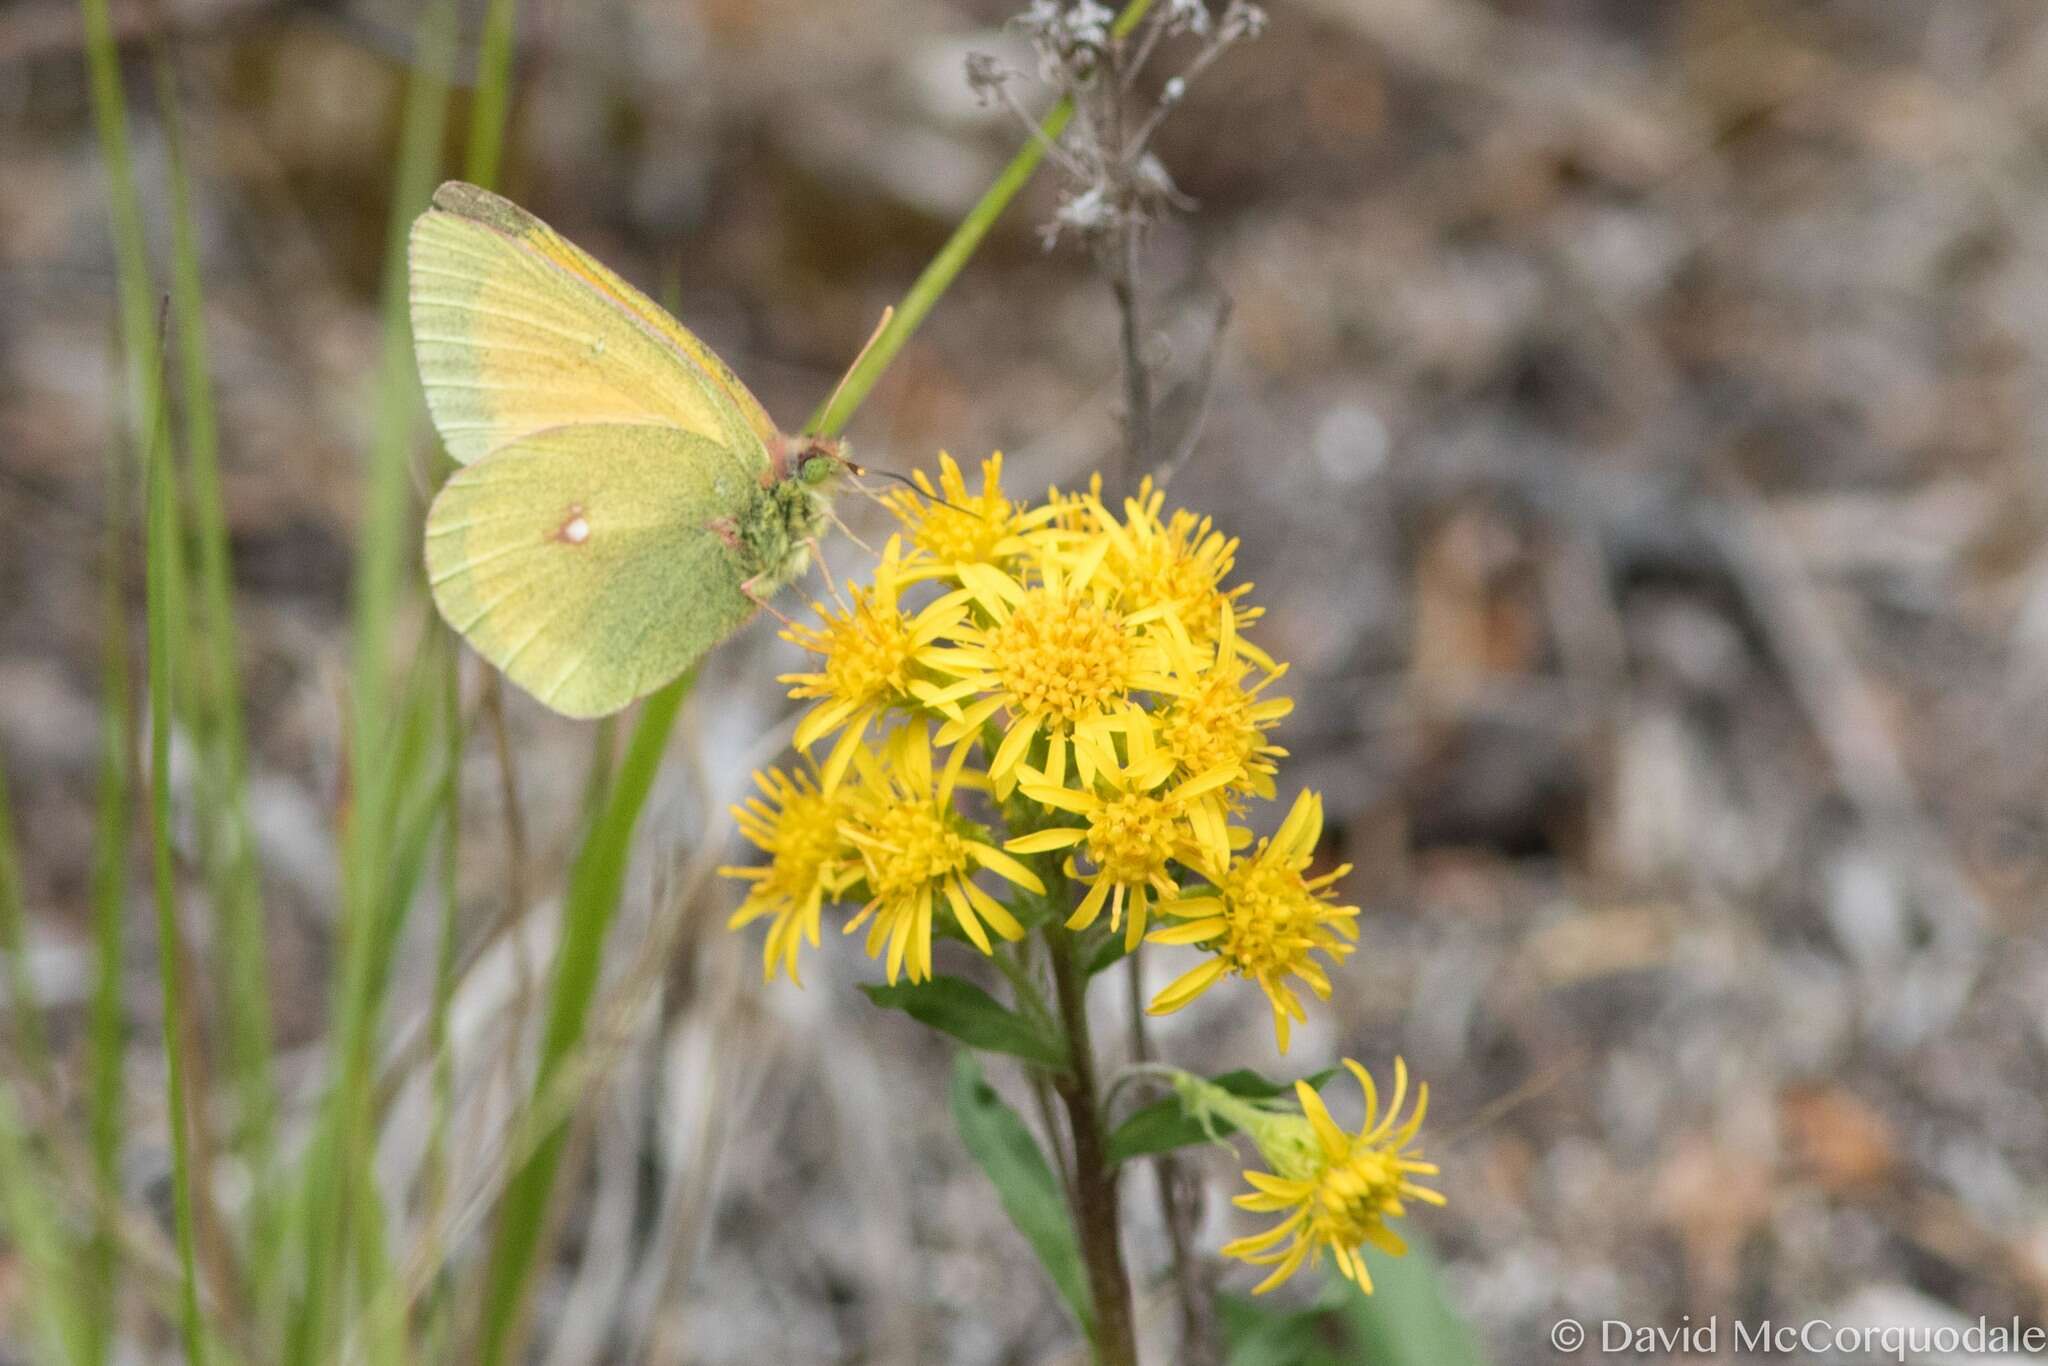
(518, 331)
(583, 561)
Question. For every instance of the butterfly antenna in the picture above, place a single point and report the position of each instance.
(911, 484)
(859, 356)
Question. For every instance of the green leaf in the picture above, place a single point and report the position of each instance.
(1162, 1126)
(1030, 1193)
(955, 1006)
(1408, 1319)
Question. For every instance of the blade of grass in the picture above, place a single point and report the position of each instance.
(30, 1043)
(416, 801)
(438, 1314)
(109, 911)
(131, 252)
(164, 583)
(492, 104)
(593, 896)
(335, 1189)
(32, 1226)
(228, 841)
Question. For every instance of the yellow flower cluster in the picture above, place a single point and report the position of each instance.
(1058, 696)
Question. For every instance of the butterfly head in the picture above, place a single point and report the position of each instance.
(814, 461)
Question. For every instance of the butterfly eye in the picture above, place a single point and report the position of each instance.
(816, 470)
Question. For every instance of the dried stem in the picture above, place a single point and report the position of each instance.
(1123, 282)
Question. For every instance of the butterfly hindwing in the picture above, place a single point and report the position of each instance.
(586, 562)
(517, 331)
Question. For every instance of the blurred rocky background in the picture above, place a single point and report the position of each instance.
(1630, 412)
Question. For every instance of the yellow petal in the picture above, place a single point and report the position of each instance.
(1090, 907)
(1001, 864)
(1187, 987)
(1044, 841)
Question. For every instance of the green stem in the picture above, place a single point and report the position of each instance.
(162, 590)
(492, 104)
(109, 907)
(1095, 1179)
(228, 839)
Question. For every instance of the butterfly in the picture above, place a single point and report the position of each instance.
(624, 503)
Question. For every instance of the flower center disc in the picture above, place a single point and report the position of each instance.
(1067, 658)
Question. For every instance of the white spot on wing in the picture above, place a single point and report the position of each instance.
(575, 527)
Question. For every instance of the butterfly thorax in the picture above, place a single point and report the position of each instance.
(775, 530)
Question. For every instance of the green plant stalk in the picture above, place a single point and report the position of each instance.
(936, 278)
(164, 582)
(32, 1047)
(224, 811)
(35, 1233)
(109, 907)
(1095, 1177)
(439, 1311)
(492, 105)
(140, 347)
(336, 1165)
(131, 251)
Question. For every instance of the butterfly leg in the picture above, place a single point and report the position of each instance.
(831, 584)
(833, 517)
(751, 588)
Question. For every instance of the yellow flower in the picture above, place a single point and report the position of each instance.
(916, 851)
(1265, 921)
(1138, 826)
(798, 828)
(872, 651)
(1216, 721)
(979, 528)
(1174, 566)
(1339, 1189)
(1055, 654)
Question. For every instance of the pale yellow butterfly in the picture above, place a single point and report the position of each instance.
(624, 503)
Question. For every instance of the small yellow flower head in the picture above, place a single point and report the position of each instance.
(1265, 921)
(1216, 721)
(1173, 567)
(1053, 653)
(798, 828)
(918, 855)
(1337, 1189)
(1139, 824)
(872, 651)
(978, 528)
